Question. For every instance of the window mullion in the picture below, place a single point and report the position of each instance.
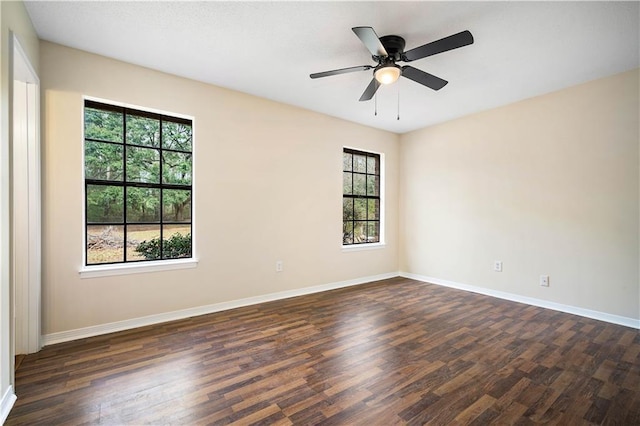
(161, 193)
(86, 222)
(125, 228)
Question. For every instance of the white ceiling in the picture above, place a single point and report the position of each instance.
(268, 49)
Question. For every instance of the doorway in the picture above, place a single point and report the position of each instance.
(25, 205)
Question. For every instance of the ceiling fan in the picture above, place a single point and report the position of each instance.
(388, 50)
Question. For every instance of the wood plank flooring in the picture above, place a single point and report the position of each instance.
(390, 352)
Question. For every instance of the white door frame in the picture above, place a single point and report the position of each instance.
(25, 205)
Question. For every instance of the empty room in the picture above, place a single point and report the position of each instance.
(174, 177)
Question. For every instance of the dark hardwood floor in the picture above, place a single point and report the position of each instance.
(391, 352)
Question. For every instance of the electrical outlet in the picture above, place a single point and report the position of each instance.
(544, 280)
(279, 266)
(497, 266)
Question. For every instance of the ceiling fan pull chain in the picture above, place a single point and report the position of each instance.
(375, 102)
(398, 117)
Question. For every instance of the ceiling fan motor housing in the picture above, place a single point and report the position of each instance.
(394, 45)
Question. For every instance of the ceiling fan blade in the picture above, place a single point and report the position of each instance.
(454, 41)
(371, 40)
(426, 79)
(370, 90)
(340, 71)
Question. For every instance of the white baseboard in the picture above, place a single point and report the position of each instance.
(81, 333)
(8, 399)
(602, 316)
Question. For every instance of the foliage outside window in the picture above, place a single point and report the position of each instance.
(361, 197)
(138, 185)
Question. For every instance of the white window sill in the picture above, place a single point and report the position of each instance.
(365, 246)
(136, 268)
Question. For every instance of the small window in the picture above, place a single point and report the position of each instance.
(361, 197)
(138, 185)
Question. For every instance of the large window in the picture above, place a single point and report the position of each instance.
(361, 197)
(138, 177)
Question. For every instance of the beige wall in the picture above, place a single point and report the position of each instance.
(14, 21)
(549, 185)
(267, 187)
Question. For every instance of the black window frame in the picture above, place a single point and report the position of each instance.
(160, 186)
(376, 196)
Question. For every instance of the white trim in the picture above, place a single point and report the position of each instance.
(96, 271)
(27, 193)
(588, 313)
(8, 399)
(23, 71)
(134, 106)
(81, 333)
(363, 246)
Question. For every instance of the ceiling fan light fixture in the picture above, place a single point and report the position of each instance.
(387, 74)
